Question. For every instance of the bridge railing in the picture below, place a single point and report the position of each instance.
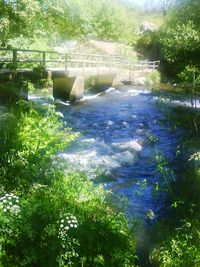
(25, 58)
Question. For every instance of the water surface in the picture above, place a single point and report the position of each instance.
(115, 147)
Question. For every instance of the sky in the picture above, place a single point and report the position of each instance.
(142, 2)
(150, 4)
(138, 2)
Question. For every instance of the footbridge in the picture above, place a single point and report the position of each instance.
(69, 70)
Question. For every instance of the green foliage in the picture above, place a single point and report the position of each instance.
(148, 45)
(31, 87)
(22, 21)
(179, 38)
(11, 91)
(18, 19)
(89, 83)
(29, 140)
(155, 18)
(50, 217)
(153, 78)
(182, 249)
(60, 227)
(188, 75)
(190, 78)
(110, 21)
(40, 77)
(179, 231)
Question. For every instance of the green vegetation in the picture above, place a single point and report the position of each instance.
(177, 241)
(50, 216)
(177, 43)
(40, 22)
(153, 78)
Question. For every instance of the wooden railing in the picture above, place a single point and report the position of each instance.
(19, 58)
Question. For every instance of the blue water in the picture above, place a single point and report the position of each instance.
(114, 147)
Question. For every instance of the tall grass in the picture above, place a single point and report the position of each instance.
(179, 236)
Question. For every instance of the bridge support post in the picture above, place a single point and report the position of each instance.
(130, 73)
(15, 59)
(66, 62)
(68, 88)
(44, 59)
(104, 81)
(83, 66)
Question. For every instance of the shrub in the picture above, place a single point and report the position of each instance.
(179, 236)
(182, 249)
(153, 78)
(49, 217)
(13, 91)
(59, 227)
(29, 138)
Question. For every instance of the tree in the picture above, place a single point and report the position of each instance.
(110, 21)
(19, 18)
(179, 38)
(64, 19)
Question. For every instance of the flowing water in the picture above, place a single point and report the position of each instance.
(115, 147)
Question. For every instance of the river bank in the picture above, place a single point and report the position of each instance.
(50, 217)
(177, 240)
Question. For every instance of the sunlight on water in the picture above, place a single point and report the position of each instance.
(114, 147)
(88, 97)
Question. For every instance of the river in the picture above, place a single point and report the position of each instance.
(116, 147)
